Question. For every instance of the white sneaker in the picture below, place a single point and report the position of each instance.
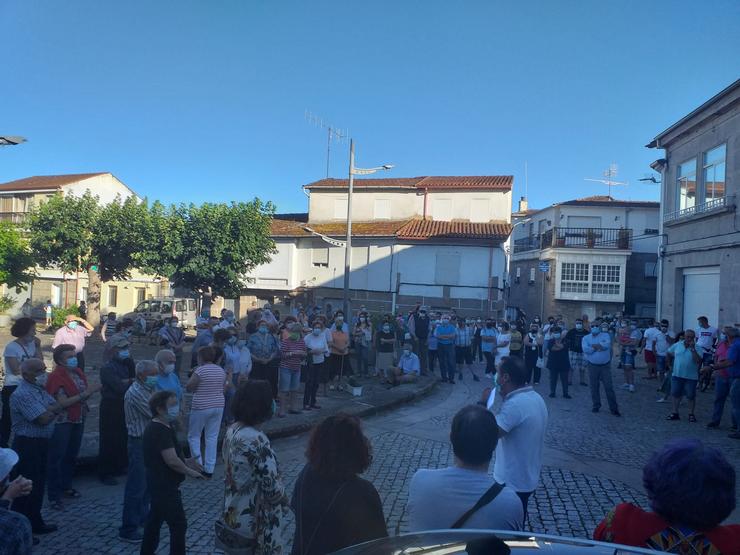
(661, 400)
(625, 386)
(632, 388)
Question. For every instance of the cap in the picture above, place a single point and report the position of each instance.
(8, 459)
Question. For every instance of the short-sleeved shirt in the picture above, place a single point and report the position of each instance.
(503, 350)
(445, 329)
(210, 391)
(523, 416)
(67, 336)
(19, 352)
(317, 342)
(27, 403)
(136, 408)
(159, 476)
(651, 336)
(684, 365)
(705, 337)
(733, 354)
(438, 498)
(292, 361)
(386, 347)
(61, 380)
(662, 342)
(409, 364)
(463, 337)
(488, 346)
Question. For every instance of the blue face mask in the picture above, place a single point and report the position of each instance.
(151, 381)
(73, 324)
(123, 354)
(556, 336)
(71, 362)
(263, 329)
(232, 340)
(173, 412)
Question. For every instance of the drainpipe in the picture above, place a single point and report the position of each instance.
(661, 245)
(425, 203)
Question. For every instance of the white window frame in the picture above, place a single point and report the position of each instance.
(684, 180)
(604, 278)
(532, 274)
(320, 257)
(712, 166)
(572, 278)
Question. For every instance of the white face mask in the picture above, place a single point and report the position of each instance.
(169, 368)
(406, 352)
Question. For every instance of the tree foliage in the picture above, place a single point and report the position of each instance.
(16, 262)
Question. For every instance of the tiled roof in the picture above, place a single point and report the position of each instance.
(41, 182)
(605, 200)
(427, 229)
(412, 230)
(472, 182)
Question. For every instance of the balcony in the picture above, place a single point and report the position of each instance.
(714, 205)
(13, 217)
(576, 238)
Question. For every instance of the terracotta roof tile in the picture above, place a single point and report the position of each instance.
(606, 200)
(480, 182)
(286, 228)
(427, 229)
(40, 182)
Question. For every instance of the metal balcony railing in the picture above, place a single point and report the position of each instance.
(577, 238)
(708, 206)
(13, 217)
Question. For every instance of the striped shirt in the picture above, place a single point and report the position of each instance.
(463, 337)
(27, 403)
(210, 392)
(292, 361)
(136, 408)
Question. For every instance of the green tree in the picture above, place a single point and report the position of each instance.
(106, 241)
(220, 244)
(16, 262)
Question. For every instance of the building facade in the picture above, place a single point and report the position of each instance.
(700, 227)
(437, 241)
(594, 256)
(18, 197)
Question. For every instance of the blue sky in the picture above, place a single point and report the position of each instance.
(204, 101)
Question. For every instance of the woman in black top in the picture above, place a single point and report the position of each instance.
(165, 470)
(558, 362)
(334, 507)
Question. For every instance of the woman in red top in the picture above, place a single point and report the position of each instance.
(66, 381)
(691, 489)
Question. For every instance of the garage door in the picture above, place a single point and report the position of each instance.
(700, 295)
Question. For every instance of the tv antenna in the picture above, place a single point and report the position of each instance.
(332, 134)
(609, 178)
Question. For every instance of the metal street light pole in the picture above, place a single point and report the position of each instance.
(353, 171)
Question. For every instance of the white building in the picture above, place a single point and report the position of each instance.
(432, 240)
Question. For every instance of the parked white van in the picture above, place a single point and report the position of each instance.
(159, 308)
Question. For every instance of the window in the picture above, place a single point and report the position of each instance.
(531, 275)
(518, 272)
(447, 269)
(140, 294)
(686, 184)
(714, 173)
(83, 294)
(112, 295)
(180, 306)
(191, 304)
(166, 307)
(479, 210)
(590, 222)
(340, 208)
(442, 209)
(605, 279)
(574, 278)
(382, 209)
(320, 256)
(651, 269)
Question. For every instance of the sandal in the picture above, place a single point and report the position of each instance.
(673, 416)
(692, 418)
(72, 493)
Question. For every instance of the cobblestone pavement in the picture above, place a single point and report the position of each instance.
(592, 462)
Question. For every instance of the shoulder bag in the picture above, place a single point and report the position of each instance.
(485, 499)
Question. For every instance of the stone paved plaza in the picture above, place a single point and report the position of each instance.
(592, 462)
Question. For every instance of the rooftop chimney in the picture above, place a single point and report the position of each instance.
(523, 204)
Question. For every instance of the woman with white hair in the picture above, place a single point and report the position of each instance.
(167, 378)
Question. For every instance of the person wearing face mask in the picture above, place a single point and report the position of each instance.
(173, 338)
(463, 352)
(515, 344)
(558, 362)
(445, 334)
(488, 336)
(687, 357)
(597, 348)
(67, 380)
(408, 368)
(340, 323)
(228, 320)
(363, 337)
(573, 340)
(123, 329)
(533, 354)
(663, 341)
(385, 340)
(339, 362)
(648, 348)
(74, 332)
(503, 342)
(205, 337)
(25, 346)
(34, 412)
(115, 376)
(419, 327)
(292, 354)
(138, 414)
(432, 345)
(265, 351)
(721, 369)
(629, 338)
(167, 379)
(318, 352)
(16, 537)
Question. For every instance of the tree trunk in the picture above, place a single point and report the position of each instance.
(206, 299)
(93, 297)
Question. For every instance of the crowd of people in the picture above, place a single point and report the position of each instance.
(243, 373)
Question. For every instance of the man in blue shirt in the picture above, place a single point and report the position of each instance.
(445, 334)
(732, 366)
(597, 350)
(408, 368)
(687, 358)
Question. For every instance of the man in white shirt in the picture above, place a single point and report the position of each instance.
(439, 498)
(706, 337)
(522, 420)
(649, 339)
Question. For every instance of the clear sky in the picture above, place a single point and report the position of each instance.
(204, 100)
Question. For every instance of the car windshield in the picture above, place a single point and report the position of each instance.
(154, 306)
(143, 307)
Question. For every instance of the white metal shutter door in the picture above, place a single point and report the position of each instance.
(700, 297)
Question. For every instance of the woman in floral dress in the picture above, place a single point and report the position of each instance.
(256, 507)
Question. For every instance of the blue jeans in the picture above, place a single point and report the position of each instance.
(64, 446)
(721, 392)
(446, 355)
(135, 496)
(362, 354)
(735, 399)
